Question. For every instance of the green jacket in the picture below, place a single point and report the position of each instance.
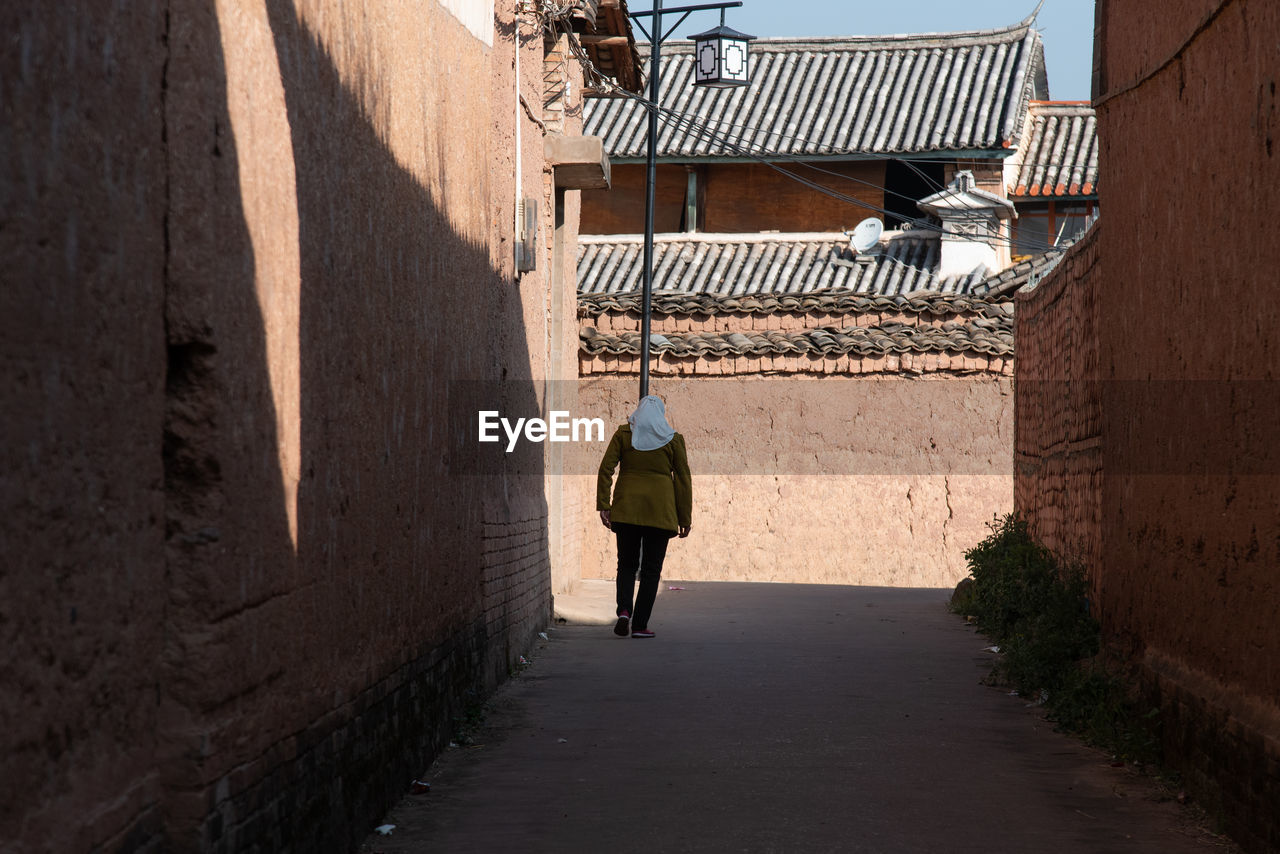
(654, 487)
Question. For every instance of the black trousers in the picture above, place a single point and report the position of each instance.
(639, 548)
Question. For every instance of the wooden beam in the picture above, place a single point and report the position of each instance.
(604, 41)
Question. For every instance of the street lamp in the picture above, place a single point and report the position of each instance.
(720, 58)
(720, 61)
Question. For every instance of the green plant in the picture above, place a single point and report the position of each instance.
(1036, 609)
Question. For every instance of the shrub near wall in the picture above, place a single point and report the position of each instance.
(1037, 610)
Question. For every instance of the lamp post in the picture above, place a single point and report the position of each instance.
(720, 61)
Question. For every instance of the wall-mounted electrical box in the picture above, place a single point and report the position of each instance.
(527, 238)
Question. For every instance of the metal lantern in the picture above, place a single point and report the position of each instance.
(721, 58)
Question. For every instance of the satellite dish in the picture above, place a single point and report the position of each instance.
(866, 234)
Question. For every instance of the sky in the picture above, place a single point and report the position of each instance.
(1066, 25)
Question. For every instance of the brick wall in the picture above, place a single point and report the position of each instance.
(517, 586)
(1183, 307)
(1058, 411)
(620, 209)
(734, 198)
(987, 174)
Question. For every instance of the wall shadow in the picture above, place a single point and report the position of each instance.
(185, 676)
(230, 570)
(396, 306)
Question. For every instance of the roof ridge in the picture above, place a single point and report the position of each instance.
(753, 237)
(721, 237)
(991, 339)
(1050, 107)
(831, 301)
(1014, 32)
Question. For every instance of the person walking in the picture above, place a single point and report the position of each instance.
(652, 502)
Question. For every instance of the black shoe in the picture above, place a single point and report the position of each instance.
(623, 627)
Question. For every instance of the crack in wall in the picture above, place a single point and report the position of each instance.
(946, 486)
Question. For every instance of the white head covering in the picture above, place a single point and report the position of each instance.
(649, 427)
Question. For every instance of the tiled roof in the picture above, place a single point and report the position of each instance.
(1004, 283)
(824, 302)
(1059, 154)
(831, 96)
(1029, 271)
(737, 264)
(988, 335)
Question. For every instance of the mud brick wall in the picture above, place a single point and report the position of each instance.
(562, 110)
(1188, 365)
(1058, 407)
(82, 366)
(877, 468)
(247, 583)
(802, 476)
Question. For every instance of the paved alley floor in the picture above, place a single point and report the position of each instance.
(786, 718)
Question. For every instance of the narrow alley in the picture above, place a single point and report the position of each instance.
(305, 304)
(793, 718)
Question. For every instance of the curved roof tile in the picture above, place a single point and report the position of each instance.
(959, 337)
(1059, 155)
(745, 264)
(831, 96)
(825, 302)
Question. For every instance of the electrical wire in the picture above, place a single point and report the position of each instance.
(916, 223)
(690, 125)
(705, 131)
(607, 83)
(744, 129)
(926, 178)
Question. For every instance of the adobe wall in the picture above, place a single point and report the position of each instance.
(874, 471)
(82, 364)
(236, 612)
(1204, 343)
(562, 107)
(1058, 407)
(1186, 315)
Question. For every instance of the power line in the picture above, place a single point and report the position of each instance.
(704, 131)
(916, 169)
(903, 157)
(608, 84)
(918, 223)
(915, 222)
